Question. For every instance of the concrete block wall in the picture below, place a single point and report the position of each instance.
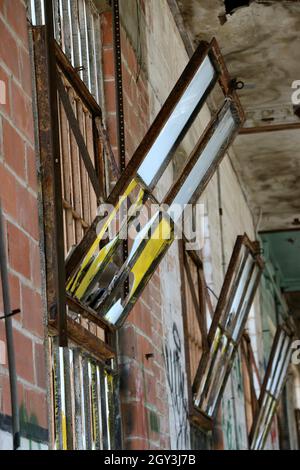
(19, 196)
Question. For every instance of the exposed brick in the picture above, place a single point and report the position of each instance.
(5, 108)
(35, 265)
(31, 168)
(22, 111)
(26, 73)
(128, 341)
(110, 96)
(8, 191)
(40, 365)
(141, 317)
(134, 419)
(107, 29)
(8, 49)
(3, 7)
(36, 407)
(18, 250)
(5, 404)
(144, 347)
(112, 129)
(137, 444)
(16, 15)
(14, 287)
(32, 312)
(27, 212)
(131, 382)
(127, 82)
(150, 388)
(108, 62)
(13, 149)
(24, 356)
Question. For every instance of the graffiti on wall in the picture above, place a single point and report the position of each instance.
(177, 385)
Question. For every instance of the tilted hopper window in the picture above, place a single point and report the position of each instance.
(275, 376)
(138, 184)
(240, 284)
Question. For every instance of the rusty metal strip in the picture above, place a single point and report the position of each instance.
(81, 336)
(246, 353)
(120, 107)
(103, 135)
(78, 136)
(46, 101)
(79, 86)
(194, 415)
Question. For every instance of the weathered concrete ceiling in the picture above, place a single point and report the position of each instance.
(261, 46)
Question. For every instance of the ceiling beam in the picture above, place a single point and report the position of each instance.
(270, 128)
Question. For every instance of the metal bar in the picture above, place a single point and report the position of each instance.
(81, 336)
(103, 135)
(78, 136)
(59, 277)
(119, 107)
(9, 338)
(119, 84)
(86, 402)
(78, 85)
(86, 312)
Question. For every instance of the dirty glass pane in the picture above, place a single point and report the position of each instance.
(169, 136)
(273, 384)
(231, 315)
(82, 400)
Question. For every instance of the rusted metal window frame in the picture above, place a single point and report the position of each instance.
(227, 294)
(195, 415)
(82, 391)
(48, 57)
(268, 412)
(203, 50)
(48, 83)
(231, 103)
(250, 368)
(77, 33)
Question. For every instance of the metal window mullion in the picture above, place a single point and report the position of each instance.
(38, 12)
(100, 416)
(58, 396)
(79, 416)
(96, 51)
(69, 410)
(86, 402)
(89, 48)
(76, 35)
(104, 409)
(83, 41)
(57, 24)
(66, 29)
(95, 408)
(71, 33)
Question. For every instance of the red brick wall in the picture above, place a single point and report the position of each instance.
(18, 193)
(143, 383)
